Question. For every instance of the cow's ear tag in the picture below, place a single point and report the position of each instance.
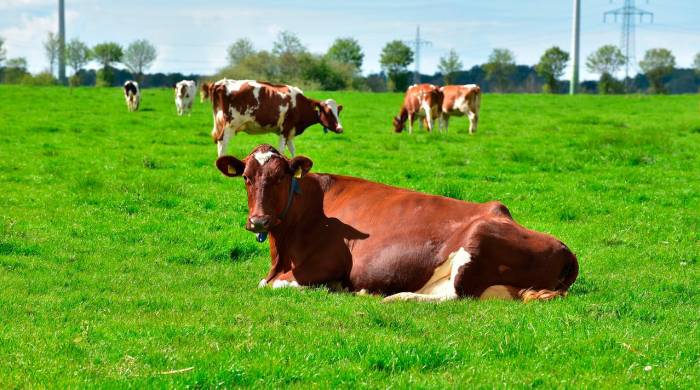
(297, 174)
(231, 169)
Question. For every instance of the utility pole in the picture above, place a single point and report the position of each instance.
(575, 42)
(417, 43)
(628, 14)
(61, 43)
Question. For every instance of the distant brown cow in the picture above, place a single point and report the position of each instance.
(459, 100)
(337, 230)
(257, 107)
(422, 101)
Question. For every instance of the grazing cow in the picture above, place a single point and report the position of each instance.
(185, 91)
(343, 231)
(421, 101)
(132, 94)
(459, 100)
(257, 107)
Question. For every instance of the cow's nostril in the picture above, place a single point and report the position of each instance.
(260, 222)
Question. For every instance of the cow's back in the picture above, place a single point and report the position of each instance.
(252, 106)
(403, 228)
(458, 99)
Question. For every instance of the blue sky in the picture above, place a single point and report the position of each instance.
(192, 36)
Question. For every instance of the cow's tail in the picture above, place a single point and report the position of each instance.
(567, 277)
(219, 126)
(476, 99)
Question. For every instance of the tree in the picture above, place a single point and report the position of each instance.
(696, 63)
(346, 51)
(500, 67)
(106, 54)
(657, 64)
(240, 50)
(139, 56)
(15, 70)
(449, 65)
(606, 61)
(330, 75)
(289, 52)
(287, 43)
(3, 52)
(551, 67)
(52, 46)
(77, 56)
(395, 57)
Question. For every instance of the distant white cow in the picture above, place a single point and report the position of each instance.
(184, 96)
(132, 94)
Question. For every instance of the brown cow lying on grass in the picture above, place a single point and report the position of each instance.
(327, 229)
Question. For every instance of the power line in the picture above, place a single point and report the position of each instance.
(417, 44)
(628, 13)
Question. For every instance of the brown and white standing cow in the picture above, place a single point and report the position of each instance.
(132, 95)
(257, 107)
(329, 229)
(422, 101)
(460, 100)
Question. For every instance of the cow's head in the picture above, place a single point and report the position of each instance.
(268, 181)
(398, 124)
(329, 115)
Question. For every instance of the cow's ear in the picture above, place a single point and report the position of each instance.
(300, 166)
(230, 166)
(340, 108)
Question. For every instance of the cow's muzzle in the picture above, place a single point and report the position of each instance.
(259, 223)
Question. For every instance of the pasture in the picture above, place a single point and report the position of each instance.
(123, 256)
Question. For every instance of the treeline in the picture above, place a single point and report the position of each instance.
(137, 57)
(340, 68)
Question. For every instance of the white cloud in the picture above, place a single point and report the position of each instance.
(23, 4)
(25, 39)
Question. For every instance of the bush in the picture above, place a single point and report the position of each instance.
(610, 85)
(43, 78)
(105, 77)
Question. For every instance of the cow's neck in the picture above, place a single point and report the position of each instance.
(305, 212)
(308, 116)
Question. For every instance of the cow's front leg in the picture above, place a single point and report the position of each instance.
(290, 145)
(283, 143)
(285, 280)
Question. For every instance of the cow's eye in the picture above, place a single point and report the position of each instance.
(247, 180)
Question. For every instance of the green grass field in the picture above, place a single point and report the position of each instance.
(123, 254)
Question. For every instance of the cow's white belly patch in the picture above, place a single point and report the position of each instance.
(441, 286)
